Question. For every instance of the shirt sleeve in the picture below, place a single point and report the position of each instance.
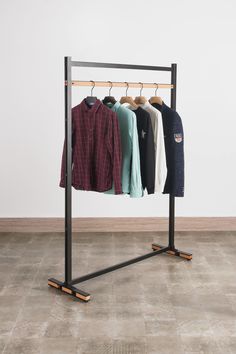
(150, 158)
(116, 154)
(136, 189)
(63, 160)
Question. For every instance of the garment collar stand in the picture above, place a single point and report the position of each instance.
(92, 109)
(160, 107)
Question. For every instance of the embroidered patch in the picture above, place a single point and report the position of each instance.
(178, 137)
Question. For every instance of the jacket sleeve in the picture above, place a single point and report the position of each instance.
(63, 160)
(150, 158)
(178, 176)
(136, 189)
(116, 154)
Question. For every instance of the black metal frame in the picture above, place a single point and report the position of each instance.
(68, 285)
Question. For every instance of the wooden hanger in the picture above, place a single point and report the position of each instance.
(128, 99)
(140, 99)
(156, 99)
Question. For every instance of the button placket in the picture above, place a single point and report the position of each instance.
(90, 133)
(91, 124)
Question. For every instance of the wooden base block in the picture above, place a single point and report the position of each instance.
(185, 255)
(82, 297)
(53, 284)
(66, 290)
(71, 290)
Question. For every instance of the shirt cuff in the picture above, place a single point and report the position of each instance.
(62, 184)
(118, 188)
(118, 191)
(151, 190)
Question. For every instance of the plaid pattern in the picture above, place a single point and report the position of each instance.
(96, 149)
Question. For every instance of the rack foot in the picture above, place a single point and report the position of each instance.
(175, 252)
(69, 289)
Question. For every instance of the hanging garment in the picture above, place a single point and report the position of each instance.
(174, 146)
(160, 155)
(96, 149)
(146, 148)
(131, 175)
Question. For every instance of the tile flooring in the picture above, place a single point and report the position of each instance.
(161, 305)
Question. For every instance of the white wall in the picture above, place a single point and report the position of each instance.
(36, 35)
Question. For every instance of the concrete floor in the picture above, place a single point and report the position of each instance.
(160, 305)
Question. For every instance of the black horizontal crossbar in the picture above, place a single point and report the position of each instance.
(119, 66)
(117, 266)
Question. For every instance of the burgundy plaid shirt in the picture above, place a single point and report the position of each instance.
(96, 149)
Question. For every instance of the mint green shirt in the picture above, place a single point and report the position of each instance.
(131, 175)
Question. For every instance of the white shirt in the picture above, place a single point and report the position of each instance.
(161, 170)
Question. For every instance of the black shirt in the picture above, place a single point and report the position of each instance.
(146, 148)
(174, 147)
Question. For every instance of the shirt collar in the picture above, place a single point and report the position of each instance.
(92, 109)
(114, 107)
(142, 106)
(145, 105)
(160, 107)
(127, 105)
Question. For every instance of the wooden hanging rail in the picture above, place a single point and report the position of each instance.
(119, 84)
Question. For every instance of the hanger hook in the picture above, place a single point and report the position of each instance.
(92, 87)
(110, 87)
(127, 84)
(141, 89)
(157, 86)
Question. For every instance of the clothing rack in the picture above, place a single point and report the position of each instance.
(68, 284)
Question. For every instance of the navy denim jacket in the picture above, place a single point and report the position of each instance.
(174, 147)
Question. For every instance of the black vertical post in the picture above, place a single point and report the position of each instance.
(171, 197)
(68, 146)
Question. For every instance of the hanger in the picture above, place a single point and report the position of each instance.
(109, 99)
(128, 99)
(90, 100)
(140, 99)
(156, 99)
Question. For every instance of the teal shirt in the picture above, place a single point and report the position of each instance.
(131, 175)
